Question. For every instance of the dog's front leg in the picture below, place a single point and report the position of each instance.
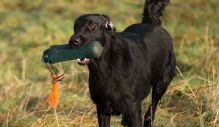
(134, 116)
(135, 119)
(103, 118)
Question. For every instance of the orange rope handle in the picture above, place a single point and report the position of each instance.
(54, 95)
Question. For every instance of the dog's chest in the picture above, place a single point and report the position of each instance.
(109, 95)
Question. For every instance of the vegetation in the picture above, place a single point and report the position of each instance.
(28, 27)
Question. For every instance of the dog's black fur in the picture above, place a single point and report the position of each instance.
(132, 63)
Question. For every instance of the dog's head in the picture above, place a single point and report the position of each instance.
(91, 27)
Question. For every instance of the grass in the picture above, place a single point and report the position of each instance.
(27, 28)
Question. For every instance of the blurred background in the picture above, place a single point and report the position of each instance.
(28, 27)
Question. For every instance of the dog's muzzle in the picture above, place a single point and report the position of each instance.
(84, 61)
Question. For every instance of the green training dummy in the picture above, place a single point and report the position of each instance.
(60, 53)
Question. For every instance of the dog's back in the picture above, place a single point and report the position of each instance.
(155, 40)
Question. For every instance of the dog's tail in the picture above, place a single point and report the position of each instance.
(153, 11)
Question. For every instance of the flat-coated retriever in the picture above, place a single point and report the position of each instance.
(132, 63)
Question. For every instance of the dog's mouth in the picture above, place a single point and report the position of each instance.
(84, 61)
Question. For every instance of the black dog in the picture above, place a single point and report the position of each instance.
(133, 61)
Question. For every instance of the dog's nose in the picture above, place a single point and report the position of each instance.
(74, 42)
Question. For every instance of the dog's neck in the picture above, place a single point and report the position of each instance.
(112, 49)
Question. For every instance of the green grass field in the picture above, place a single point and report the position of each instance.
(28, 27)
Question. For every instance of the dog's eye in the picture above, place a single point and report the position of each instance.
(91, 26)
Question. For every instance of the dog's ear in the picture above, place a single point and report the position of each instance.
(108, 24)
